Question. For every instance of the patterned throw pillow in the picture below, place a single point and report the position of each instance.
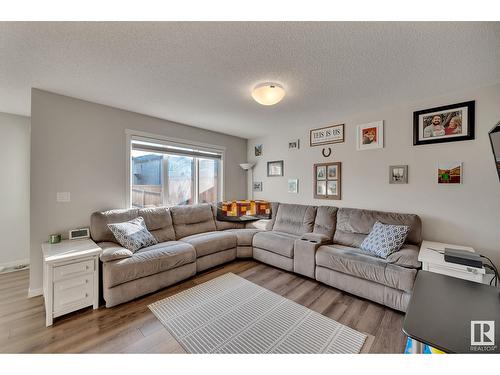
(385, 239)
(132, 234)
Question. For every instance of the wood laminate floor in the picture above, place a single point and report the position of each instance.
(132, 328)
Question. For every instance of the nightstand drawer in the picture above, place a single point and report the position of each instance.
(68, 270)
(75, 291)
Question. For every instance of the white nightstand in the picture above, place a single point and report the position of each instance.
(70, 276)
(433, 261)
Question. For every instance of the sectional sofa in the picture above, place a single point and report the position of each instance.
(318, 242)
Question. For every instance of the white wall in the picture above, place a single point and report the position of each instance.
(80, 147)
(14, 189)
(466, 214)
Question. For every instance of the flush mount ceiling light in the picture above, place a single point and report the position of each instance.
(268, 93)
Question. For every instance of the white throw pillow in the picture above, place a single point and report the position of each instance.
(385, 239)
(133, 234)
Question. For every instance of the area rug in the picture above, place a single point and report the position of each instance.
(230, 314)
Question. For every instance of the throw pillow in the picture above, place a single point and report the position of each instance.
(385, 239)
(132, 234)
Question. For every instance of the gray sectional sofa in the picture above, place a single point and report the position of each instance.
(318, 242)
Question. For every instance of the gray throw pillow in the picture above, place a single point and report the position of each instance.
(132, 234)
(385, 239)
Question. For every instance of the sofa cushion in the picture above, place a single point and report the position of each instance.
(159, 222)
(211, 242)
(99, 221)
(326, 220)
(277, 242)
(353, 225)
(407, 256)
(113, 251)
(244, 236)
(294, 219)
(355, 262)
(385, 239)
(189, 220)
(148, 261)
(133, 234)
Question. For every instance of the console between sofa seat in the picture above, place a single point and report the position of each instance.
(355, 262)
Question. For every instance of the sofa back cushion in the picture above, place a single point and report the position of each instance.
(294, 218)
(99, 221)
(159, 222)
(353, 225)
(189, 220)
(326, 221)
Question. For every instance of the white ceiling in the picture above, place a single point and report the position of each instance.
(202, 73)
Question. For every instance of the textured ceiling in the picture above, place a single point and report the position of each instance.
(202, 73)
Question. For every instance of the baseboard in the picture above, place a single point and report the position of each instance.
(35, 292)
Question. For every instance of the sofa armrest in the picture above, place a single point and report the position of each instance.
(113, 251)
(317, 238)
(407, 257)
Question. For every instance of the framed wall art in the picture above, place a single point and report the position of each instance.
(449, 123)
(450, 172)
(370, 136)
(258, 150)
(275, 168)
(327, 180)
(257, 186)
(327, 135)
(398, 174)
(294, 144)
(293, 186)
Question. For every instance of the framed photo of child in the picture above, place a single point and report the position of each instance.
(450, 123)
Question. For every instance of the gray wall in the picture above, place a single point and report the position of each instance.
(14, 189)
(80, 147)
(467, 214)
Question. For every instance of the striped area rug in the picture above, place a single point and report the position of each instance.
(230, 314)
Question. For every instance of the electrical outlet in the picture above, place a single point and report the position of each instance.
(63, 197)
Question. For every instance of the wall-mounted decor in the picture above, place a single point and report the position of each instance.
(257, 186)
(450, 172)
(275, 168)
(294, 145)
(326, 151)
(370, 136)
(327, 180)
(448, 123)
(495, 146)
(293, 186)
(326, 135)
(398, 174)
(258, 150)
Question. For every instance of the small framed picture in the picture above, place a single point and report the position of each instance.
(294, 145)
(293, 186)
(450, 173)
(257, 186)
(398, 174)
(321, 188)
(326, 135)
(275, 168)
(327, 180)
(448, 123)
(321, 172)
(258, 150)
(332, 172)
(370, 136)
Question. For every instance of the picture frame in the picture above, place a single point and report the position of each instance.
(293, 186)
(257, 186)
(450, 172)
(328, 187)
(398, 174)
(449, 123)
(275, 168)
(294, 144)
(327, 135)
(370, 136)
(258, 150)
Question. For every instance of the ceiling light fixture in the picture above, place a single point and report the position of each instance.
(268, 93)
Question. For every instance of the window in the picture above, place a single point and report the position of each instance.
(168, 175)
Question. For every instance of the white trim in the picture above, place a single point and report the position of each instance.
(131, 134)
(35, 292)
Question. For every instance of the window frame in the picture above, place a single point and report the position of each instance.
(134, 135)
